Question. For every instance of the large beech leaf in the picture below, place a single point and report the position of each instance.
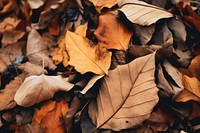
(38, 88)
(142, 13)
(111, 32)
(86, 57)
(127, 95)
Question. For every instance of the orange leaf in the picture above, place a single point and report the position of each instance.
(189, 15)
(111, 33)
(51, 116)
(54, 27)
(195, 66)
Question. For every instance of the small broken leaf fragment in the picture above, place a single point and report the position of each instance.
(39, 88)
(85, 57)
(100, 4)
(141, 13)
(111, 33)
(127, 95)
(51, 116)
(7, 94)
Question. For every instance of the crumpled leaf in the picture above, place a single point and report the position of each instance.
(9, 24)
(37, 51)
(32, 69)
(10, 37)
(9, 6)
(141, 13)
(111, 32)
(100, 4)
(39, 88)
(127, 95)
(35, 4)
(52, 116)
(189, 15)
(90, 58)
(54, 27)
(7, 94)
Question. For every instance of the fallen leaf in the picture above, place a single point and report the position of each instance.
(139, 51)
(53, 119)
(54, 27)
(9, 24)
(7, 94)
(192, 85)
(39, 88)
(111, 33)
(127, 95)
(31, 69)
(161, 120)
(10, 5)
(189, 15)
(119, 57)
(37, 51)
(82, 30)
(10, 37)
(90, 58)
(35, 4)
(187, 95)
(31, 128)
(100, 4)
(194, 66)
(3, 66)
(141, 13)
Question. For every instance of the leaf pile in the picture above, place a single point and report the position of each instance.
(99, 66)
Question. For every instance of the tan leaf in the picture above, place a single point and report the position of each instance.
(141, 13)
(85, 57)
(53, 120)
(10, 37)
(35, 4)
(100, 4)
(31, 128)
(9, 24)
(38, 88)
(7, 94)
(32, 69)
(111, 32)
(82, 30)
(127, 95)
(37, 51)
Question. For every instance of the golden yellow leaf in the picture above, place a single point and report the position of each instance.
(111, 32)
(195, 66)
(127, 95)
(86, 57)
(82, 30)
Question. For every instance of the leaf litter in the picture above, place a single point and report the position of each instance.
(99, 66)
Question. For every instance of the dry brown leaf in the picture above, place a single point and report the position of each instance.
(194, 67)
(111, 32)
(10, 5)
(31, 69)
(31, 128)
(53, 118)
(39, 88)
(141, 13)
(35, 4)
(85, 57)
(189, 15)
(37, 51)
(100, 4)
(127, 95)
(186, 95)
(9, 24)
(7, 94)
(54, 27)
(10, 37)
